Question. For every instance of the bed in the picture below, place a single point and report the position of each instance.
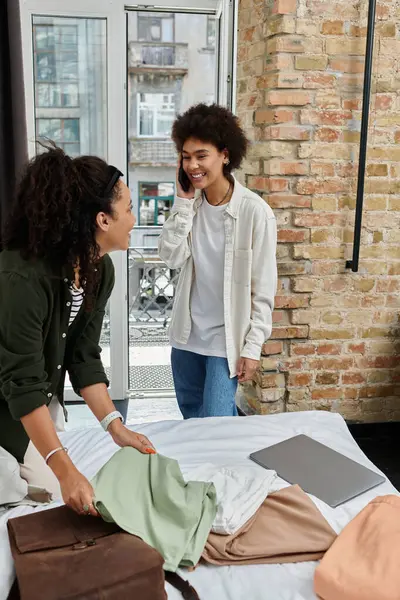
(223, 441)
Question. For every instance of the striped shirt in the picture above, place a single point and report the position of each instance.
(77, 299)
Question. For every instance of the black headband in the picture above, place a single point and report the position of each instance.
(115, 174)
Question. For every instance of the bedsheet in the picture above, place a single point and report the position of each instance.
(226, 442)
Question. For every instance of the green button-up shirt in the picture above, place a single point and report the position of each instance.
(37, 347)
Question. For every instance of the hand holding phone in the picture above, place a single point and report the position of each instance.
(184, 182)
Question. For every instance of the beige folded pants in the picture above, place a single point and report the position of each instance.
(34, 469)
(364, 561)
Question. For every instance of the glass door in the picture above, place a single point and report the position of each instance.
(103, 78)
(176, 58)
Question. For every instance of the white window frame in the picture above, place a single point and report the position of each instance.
(156, 111)
(114, 11)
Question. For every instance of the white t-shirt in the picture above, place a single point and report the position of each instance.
(207, 336)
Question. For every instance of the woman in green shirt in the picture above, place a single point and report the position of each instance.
(55, 280)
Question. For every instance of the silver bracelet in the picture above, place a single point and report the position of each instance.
(50, 454)
(108, 419)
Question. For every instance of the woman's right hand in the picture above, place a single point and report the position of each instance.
(179, 191)
(78, 493)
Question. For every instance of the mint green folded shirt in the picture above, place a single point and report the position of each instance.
(146, 495)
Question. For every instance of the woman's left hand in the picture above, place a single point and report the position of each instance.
(246, 369)
(123, 437)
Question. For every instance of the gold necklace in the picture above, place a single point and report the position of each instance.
(223, 199)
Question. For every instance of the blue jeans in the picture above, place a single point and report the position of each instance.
(203, 385)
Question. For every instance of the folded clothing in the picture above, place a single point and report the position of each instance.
(147, 496)
(240, 493)
(363, 563)
(287, 528)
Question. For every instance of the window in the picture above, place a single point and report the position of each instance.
(211, 32)
(70, 83)
(64, 132)
(153, 27)
(156, 113)
(56, 65)
(155, 201)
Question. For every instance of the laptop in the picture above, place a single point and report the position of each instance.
(317, 469)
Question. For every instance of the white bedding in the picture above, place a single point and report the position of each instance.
(223, 441)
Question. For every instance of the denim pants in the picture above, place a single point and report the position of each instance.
(203, 385)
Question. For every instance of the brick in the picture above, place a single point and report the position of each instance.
(327, 378)
(326, 393)
(304, 317)
(302, 349)
(325, 169)
(311, 62)
(357, 31)
(326, 134)
(377, 170)
(294, 44)
(328, 349)
(268, 184)
(391, 47)
(333, 151)
(280, 62)
(282, 80)
(347, 65)
(296, 301)
(314, 81)
(287, 98)
(288, 201)
(358, 348)
(346, 46)
(284, 7)
(352, 377)
(280, 24)
(386, 30)
(305, 284)
(331, 334)
(328, 186)
(333, 28)
(274, 116)
(299, 380)
(279, 167)
(285, 132)
(325, 117)
(383, 101)
(293, 268)
(270, 380)
(307, 27)
(318, 252)
(272, 348)
(293, 235)
(326, 99)
(289, 332)
(316, 220)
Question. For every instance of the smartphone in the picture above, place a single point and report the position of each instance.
(184, 179)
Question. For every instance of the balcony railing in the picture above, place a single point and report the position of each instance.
(158, 55)
(152, 152)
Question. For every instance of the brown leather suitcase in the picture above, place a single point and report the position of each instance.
(60, 555)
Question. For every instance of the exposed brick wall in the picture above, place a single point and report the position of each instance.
(300, 77)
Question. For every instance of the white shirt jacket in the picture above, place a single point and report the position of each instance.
(250, 272)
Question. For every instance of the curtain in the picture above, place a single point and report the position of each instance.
(13, 141)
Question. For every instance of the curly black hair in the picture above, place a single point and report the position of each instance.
(53, 216)
(215, 125)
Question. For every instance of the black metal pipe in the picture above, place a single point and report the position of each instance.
(353, 264)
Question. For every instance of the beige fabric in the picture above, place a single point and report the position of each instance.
(363, 563)
(287, 528)
(34, 469)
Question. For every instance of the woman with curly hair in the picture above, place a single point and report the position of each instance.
(223, 237)
(55, 281)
